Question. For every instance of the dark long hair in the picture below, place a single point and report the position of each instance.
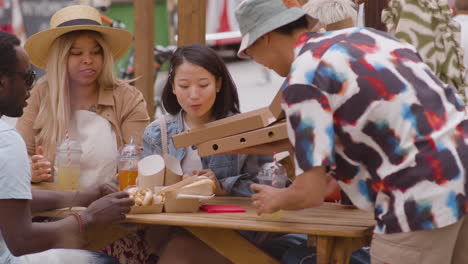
(226, 100)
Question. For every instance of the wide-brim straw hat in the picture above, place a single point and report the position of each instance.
(259, 17)
(73, 18)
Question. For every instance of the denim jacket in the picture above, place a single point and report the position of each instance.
(234, 172)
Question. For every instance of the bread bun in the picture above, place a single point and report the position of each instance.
(141, 196)
(203, 187)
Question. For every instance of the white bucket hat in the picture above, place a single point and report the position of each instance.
(259, 17)
(73, 18)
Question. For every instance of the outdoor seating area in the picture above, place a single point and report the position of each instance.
(233, 131)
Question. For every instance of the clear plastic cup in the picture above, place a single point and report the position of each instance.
(273, 174)
(127, 164)
(67, 164)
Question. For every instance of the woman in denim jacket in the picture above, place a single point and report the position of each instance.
(200, 90)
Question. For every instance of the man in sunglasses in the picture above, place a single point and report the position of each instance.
(19, 237)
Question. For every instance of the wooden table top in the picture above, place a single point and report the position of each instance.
(330, 219)
(327, 220)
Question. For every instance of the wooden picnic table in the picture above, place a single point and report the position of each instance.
(336, 230)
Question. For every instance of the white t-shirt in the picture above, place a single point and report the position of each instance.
(192, 160)
(15, 183)
(15, 176)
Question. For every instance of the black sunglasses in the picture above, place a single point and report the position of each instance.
(29, 77)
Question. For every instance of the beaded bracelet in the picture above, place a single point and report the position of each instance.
(80, 221)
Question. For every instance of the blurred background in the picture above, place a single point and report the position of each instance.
(256, 84)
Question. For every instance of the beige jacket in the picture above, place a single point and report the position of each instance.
(124, 107)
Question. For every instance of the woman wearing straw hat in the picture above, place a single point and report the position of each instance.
(81, 94)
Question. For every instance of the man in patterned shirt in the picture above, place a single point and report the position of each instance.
(363, 101)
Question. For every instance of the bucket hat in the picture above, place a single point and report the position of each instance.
(259, 17)
(73, 18)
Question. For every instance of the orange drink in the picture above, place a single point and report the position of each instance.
(127, 178)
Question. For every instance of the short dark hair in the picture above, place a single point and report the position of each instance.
(8, 43)
(289, 28)
(227, 100)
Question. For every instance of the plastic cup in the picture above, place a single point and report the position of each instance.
(271, 181)
(273, 174)
(67, 165)
(127, 164)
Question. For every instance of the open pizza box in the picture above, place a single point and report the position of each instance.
(163, 176)
(232, 125)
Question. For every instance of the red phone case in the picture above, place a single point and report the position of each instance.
(219, 208)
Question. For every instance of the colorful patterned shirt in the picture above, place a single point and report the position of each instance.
(363, 101)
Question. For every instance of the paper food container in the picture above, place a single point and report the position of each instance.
(147, 209)
(178, 202)
(172, 204)
(157, 170)
(173, 171)
(150, 209)
(164, 172)
(151, 170)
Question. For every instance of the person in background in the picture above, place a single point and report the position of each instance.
(199, 90)
(434, 34)
(364, 101)
(333, 14)
(81, 95)
(461, 11)
(22, 241)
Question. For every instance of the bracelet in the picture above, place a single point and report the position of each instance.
(80, 221)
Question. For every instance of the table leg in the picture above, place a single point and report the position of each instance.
(344, 247)
(311, 241)
(342, 250)
(338, 250)
(324, 249)
(232, 245)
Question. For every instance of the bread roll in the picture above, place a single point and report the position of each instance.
(203, 187)
(141, 196)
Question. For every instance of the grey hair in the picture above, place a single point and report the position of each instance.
(331, 11)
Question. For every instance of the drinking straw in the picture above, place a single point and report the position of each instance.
(67, 144)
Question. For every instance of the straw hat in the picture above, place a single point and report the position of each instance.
(73, 18)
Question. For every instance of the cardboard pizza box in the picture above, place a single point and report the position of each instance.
(232, 125)
(235, 143)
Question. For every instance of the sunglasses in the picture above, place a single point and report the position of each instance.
(29, 77)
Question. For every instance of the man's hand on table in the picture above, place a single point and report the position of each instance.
(267, 200)
(91, 194)
(308, 190)
(107, 209)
